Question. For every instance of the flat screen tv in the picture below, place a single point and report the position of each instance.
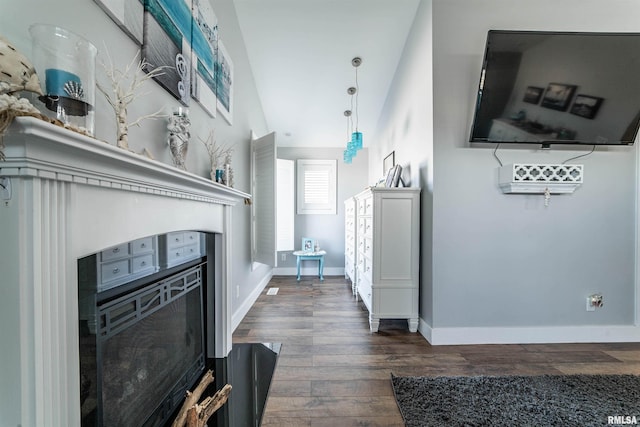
(558, 88)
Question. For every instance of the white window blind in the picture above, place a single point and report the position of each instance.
(316, 187)
(316, 181)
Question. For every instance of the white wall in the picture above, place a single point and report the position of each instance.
(87, 19)
(406, 128)
(499, 261)
(328, 229)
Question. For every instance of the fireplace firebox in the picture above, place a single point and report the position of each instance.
(142, 328)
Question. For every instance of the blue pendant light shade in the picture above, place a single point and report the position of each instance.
(347, 157)
(351, 147)
(356, 139)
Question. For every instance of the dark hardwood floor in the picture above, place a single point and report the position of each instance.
(333, 372)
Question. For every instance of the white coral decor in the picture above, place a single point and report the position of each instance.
(9, 102)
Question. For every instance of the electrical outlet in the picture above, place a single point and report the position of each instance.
(594, 301)
(283, 257)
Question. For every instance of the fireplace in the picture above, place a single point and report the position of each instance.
(65, 196)
(142, 328)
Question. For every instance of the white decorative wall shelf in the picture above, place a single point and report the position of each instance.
(528, 178)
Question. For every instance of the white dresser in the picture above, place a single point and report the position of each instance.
(388, 236)
(350, 241)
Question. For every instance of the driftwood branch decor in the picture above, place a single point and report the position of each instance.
(219, 155)
(194, 414)
(125, 88)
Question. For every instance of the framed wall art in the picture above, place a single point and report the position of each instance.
(127, 14)
(389, 162)
(532, 94)
(182, 37)
(558, 96)
(394, 176)
(167, 43)
(586, 106)
(204, 42)
(224, 83)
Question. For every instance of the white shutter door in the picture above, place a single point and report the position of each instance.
(263, 208)
(285, 206)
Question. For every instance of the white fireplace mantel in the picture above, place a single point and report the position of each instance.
(65, 196)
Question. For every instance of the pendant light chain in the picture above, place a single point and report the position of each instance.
(351, 118)
(348, 116)
(357, 93)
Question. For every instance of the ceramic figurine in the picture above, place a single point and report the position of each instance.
(16, 71)
(179, 134)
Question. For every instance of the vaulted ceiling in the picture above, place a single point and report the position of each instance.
(300, 52)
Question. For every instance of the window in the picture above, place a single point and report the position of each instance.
(316, 187)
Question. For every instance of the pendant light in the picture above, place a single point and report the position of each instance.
(356, 137)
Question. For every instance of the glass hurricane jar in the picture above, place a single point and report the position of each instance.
(66, 65)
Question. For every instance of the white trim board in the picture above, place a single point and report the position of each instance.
(637, 242)
(308, 271)
(242, 311)
(529, 335)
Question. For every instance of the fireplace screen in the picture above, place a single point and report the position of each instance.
(149, 350)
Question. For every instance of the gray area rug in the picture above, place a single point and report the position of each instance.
(547, 400)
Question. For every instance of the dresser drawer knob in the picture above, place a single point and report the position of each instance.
(116, 270)
(116, 250)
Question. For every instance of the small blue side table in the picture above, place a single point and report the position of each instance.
(311, 256)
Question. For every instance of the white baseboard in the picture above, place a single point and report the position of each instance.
(242, 311)
(308, 271)
(529, 335)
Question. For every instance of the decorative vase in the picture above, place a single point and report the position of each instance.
(179, 135)
(66, 63)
